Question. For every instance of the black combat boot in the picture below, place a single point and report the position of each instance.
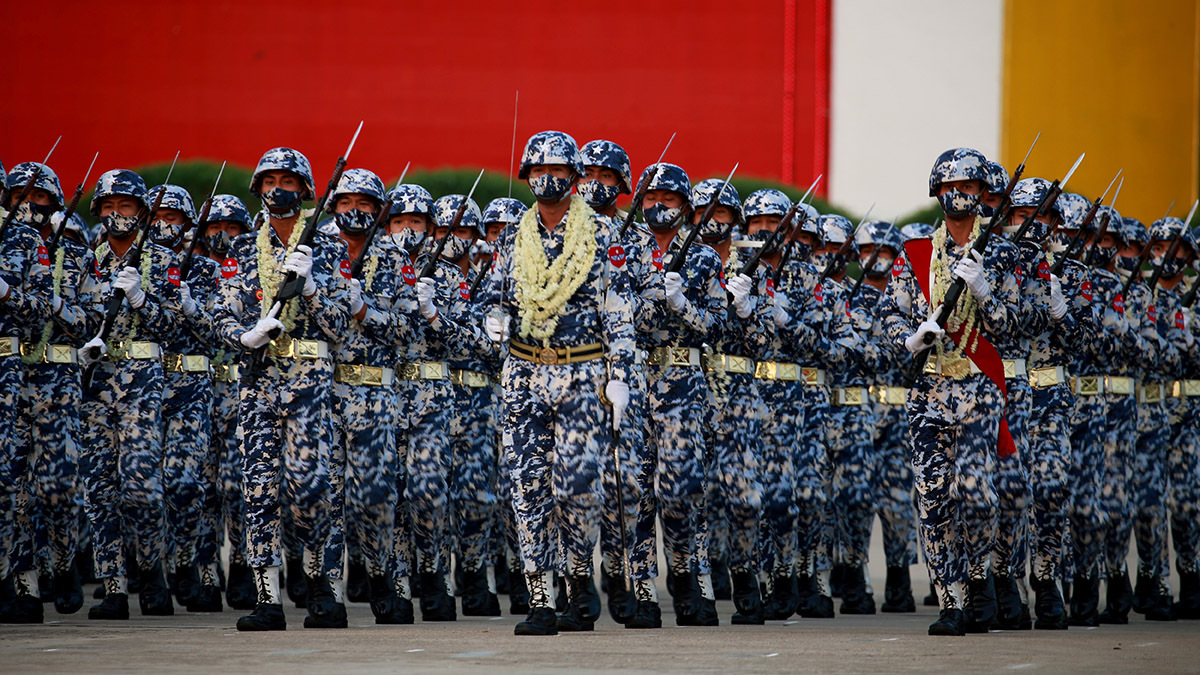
(746, 599)
(687, 601)
(981, 610)
(720, 579)
(647, 613)
(68, 591)
(268, 608)
(837, 580)
(477, 596)
(518, 593)
(621, 603)
(1118, 599)
(184, 582)
(324, 610)
(1048, 605)
(820, 606)
(541, 619)
(207, 596)
(1011, 613)
(1144, 592)
(436, 602)
(239, 592)
(783, 601)
(855, 599)
(897, 593)
(951, 619)
(357, 585)
(297, 585)
(115, 606)
(1188, 605)
(387, 606)
(1085, 601)
(1161, 607)
(23, 604)
(155, 598)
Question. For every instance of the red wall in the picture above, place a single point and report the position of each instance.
(138, 80)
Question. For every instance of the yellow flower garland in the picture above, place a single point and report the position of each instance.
(965, 313)
(119, 348)
(543, 289)
(268, 278)
(35, 354)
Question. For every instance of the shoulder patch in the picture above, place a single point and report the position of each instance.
(1085, 289)
(1179, 319)
(898, 266)
(657, 258)
(344, 268)
(409, 275)
(1119, 303)
(616, 255)
(1044, 271)
(43, 255)
(229, 268)
(464, 289)
(173, 275)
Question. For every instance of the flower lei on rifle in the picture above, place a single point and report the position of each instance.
(268, 277)
(966, 313)
(117, 349)
(543, 289)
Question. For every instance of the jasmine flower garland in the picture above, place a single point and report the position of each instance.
(543, 289)
(965, 313)
(268, 277)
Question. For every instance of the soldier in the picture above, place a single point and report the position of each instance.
(40, 423)
(228, 219)
(285, 410)
(956, 405)
(573, 329)
(123, 472)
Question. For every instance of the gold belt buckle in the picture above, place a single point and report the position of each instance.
(1089, 386)
(409, 371)
(194, 363)
(738, 364)
(6, 348)
(1152, 393)
(681, 356)
(349, 373)
(897, 395)
(141, 350)
(547, 356)
(762, 369)
(433, 370)
(308, 349)
(60, 354)
(221, 372)
(852, 396)
(956, 368)
(811, 375)
(476, 380)
(371, 375)
(283, 347)
(1120, 385)
(171, 363)
(1010, 368)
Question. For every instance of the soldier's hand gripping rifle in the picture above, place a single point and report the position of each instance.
(133, 258)
(782, 232)
(56, 237)
(643, 186)
(1061, 262)
(33, 179)
(381, 220)
(431, 264)
(185, 266)
(680, 256)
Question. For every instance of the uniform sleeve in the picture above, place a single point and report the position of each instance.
(80, 314)
(230, 315)
(704, 307)
(617, 319)
(995, 312)
(843, 342)
(329, 306)
(162, 309)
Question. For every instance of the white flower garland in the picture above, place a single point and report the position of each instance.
(268, 278)
(119, 348)
(965, 314)
(543, 290)
(36, 354)
(369, 271)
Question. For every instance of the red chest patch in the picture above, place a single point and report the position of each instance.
(229, 268)
(1152, 314)
(657, 259)
(1179, 320)
(409, 275)
(43, 255)
(819, 293)
(344, 267)
(771, 287)
(1085, 289)
(258, 295)
(173, 275)
(898, 267)
(1119, 303)
(464, 289)
(1044, 270)
(616, 255)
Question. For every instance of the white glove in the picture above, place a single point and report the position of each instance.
(92, 351)
(673, 282)
(740, 287)
(56, 304)
(130, 281)
(496, 328)
(188, 304)
(3, 289)
(1188, 338)
(780, 309)
(970, 270)
(300, 262)
(425, 291)
(916, 342)
(617, 393)
(356, 299)
(1058, 306)
(261, 333)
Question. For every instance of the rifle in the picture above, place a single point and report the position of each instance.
(782, 232)
(384, 215)
(1143, 257)
(839, 258)
(870, 264)
(681, 255)
(483, 272)
(1006, 199)
(133, 258)
(37, 173)
(185, 266)
(431, 265)
(1174, 248)
(1057, 268)
(512, 150)
(643, 186)
(52, 245)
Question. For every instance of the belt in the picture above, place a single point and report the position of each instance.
(1048, 376)
(552, 356)
(1185, 388)
(814, 376)
(850, 396)
(1087, 385)
(889, 395)
(140, 351)
(360, 375)
(1014, 368)
(674, 356)
(955, 368)
(1150, 393)
(469, 378)
(730, 363)
(423, 370)
(1118, 384)
(10, 346)
(776, 370)
(288, 348)
(51, 354)
(226, 372)
(186, 363)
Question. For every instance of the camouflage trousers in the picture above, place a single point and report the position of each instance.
(783, 416)
(227, 445)
(672, 475)
(49, 498)
(630, 451)
(814, 482)
(952, 428)
(12, 379)
(286, 420)
(428, 458)
(855, 468)
(122, 464)
(894, 489)
(1148, 489)
(1120, 434)
(1088, 518)
(1012, 484)
(735, 492)
(1183, 462)
(190, 467)
(363, 473)
(553, 435)
(1049, 476)
(473, 474)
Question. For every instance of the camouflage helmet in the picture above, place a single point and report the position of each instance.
(1135, 231)
(357, 181)
(1031, 192)
(79, 228)
(445, 207)
(610, 156)
(997, 178)
(1115, 228)
(702, 194)
(958, 164)
(913, 231)
(1074, 208)
(670, 177)
(767, 202)
(284, 159)
(175, 198)
(1166, 228)
(550, 147)
(836, 229)
(47, 180)
(811, 223)
(118, 182)
(503, 210)
(879, 233)
(410, 198)
(230, 208)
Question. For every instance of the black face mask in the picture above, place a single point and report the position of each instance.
(282, 203)
(767, 238)
(34, 214)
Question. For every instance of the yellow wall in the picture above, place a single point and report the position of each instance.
(1118, 79)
